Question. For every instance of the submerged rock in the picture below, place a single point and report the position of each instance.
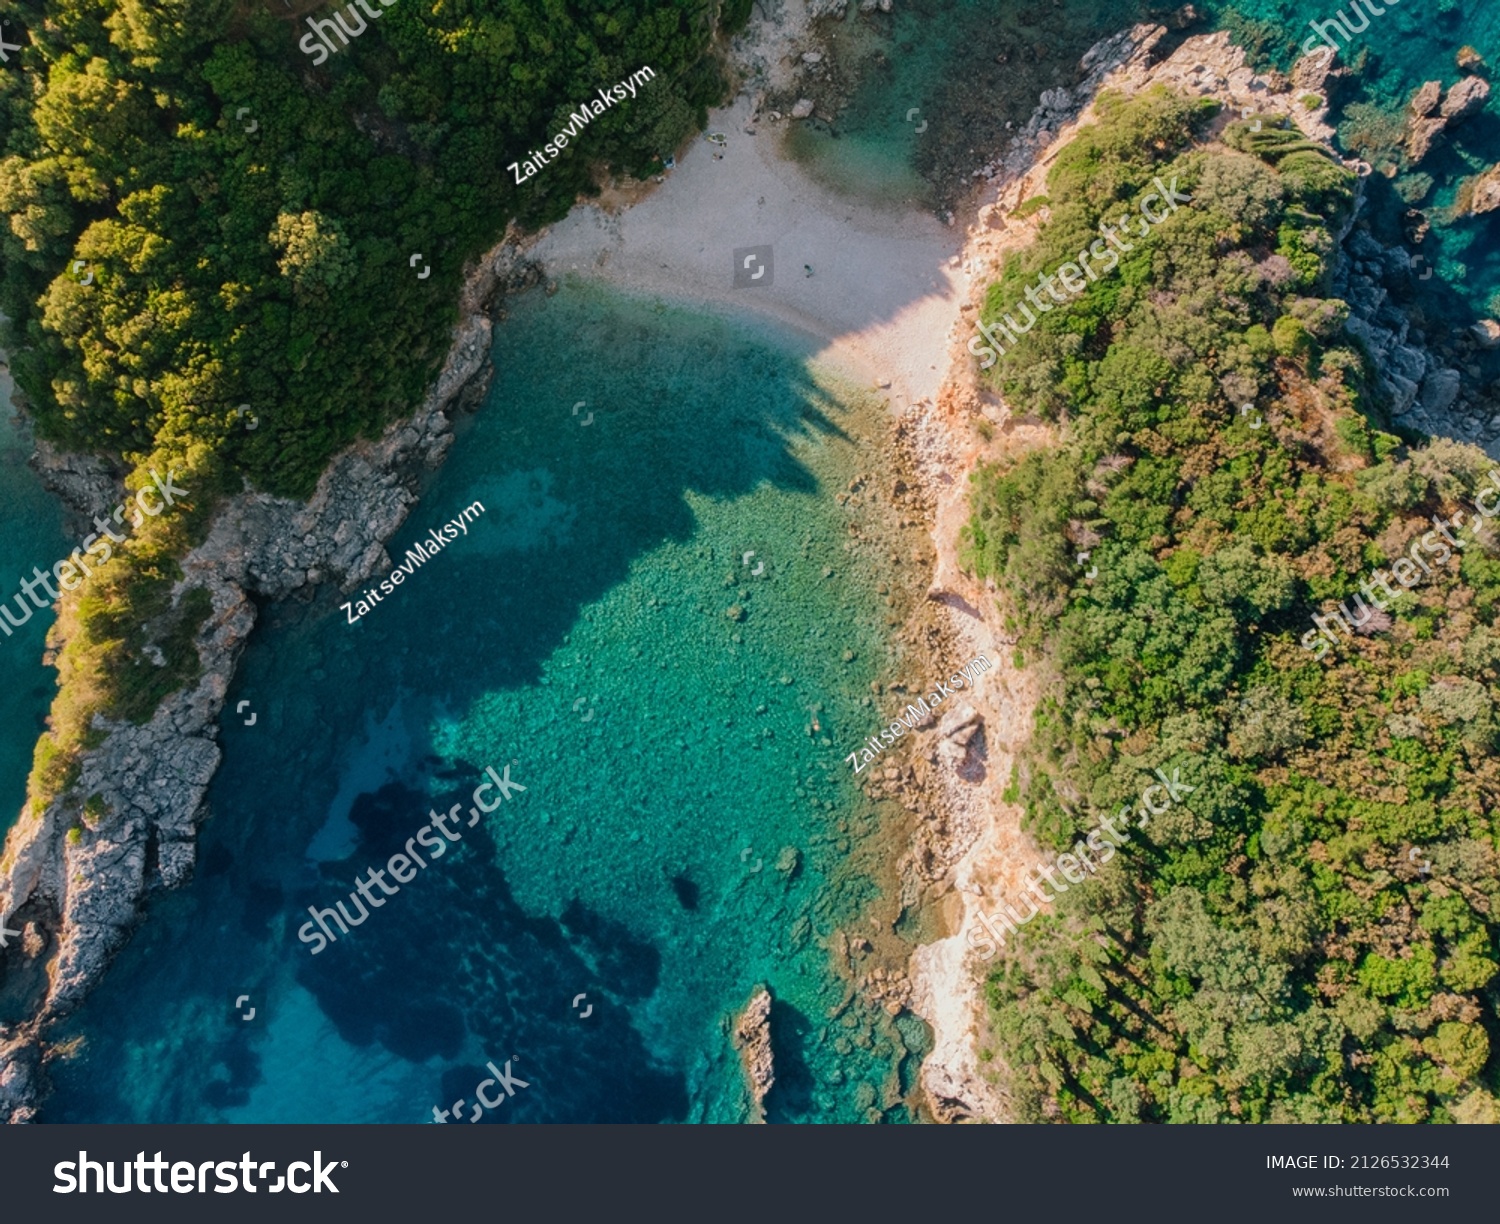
(1481, 194)
(1487, 332)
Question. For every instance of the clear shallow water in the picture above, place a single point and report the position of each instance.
(33, 537)
(682, 836)
(937, 81)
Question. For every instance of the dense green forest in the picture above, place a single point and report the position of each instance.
(200, 217)
(1310, 936)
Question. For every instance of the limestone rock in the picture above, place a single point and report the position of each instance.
(20, 1070)
(86, 483)
(1487, 332)
(1422, 136)
(1483, 193)
(1465, 99)
(802, 108)
(1439, 390)
(1310, 74)
(1426, 100)
(960, 724)
(1431, 118)
(752, 1038)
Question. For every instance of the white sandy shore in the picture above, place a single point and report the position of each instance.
(882, 296)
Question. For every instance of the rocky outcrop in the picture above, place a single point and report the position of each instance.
(1465, 99)
(81, 870)
(1425, 102)
(85, 483)
(752, 1038)
(1061, 106)
(1317, 76)
(1481, 194)
(961, 742)
(886, 988)
(1419, 375)
(1432, 114)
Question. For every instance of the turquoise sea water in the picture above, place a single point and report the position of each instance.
(33, 538)
(581, 634)
(682, 836)
(937, 81)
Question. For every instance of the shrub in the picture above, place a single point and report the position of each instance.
(1279, 898)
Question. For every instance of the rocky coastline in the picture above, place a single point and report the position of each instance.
(970, 844)
(75, 896)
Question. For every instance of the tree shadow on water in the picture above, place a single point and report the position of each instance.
(452, 956)
(699, 408)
